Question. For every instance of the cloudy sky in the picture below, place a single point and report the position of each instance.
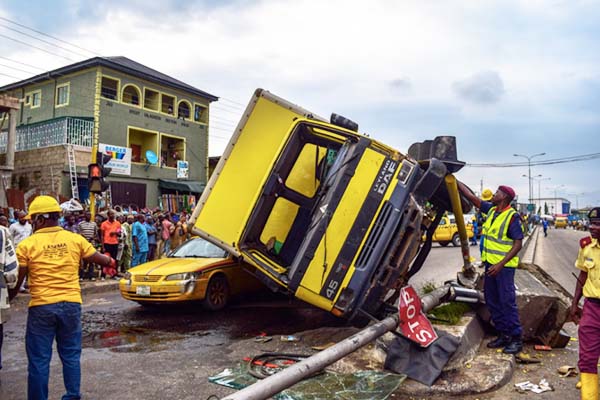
(504, 77)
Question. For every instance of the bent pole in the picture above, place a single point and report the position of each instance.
(295, 373)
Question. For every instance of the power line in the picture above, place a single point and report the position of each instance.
(22, 63)
(42, 40)
(16, 69)
(584, 157)
(10, 76)
(227, 111)
(35, 47)
(47, 35)
(232, 101)
(229, 106)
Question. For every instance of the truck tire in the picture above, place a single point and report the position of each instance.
(444, 244)
(456, 240)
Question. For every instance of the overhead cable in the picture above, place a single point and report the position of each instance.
(584, 157)
(35, 47)
(47, 35)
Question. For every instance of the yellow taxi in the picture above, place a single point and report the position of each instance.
(195, 271)
(447, 232)
(561, 222)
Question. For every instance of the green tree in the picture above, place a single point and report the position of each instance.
(545, 208)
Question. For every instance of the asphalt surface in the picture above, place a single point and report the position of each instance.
(168, 353)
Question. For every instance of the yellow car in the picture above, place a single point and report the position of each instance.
(196, 271)
(561, 222)
(447, 232)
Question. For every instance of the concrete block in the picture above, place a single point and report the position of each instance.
(541, 310)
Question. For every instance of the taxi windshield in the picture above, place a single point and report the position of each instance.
(198, 248)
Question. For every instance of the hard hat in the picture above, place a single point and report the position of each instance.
(43, 205)
(487, 195)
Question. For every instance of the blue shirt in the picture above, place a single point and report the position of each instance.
(139, 231)
(150, 229)
(515, 229)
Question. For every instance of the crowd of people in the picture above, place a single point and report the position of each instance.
(54, 250)
(130, 236)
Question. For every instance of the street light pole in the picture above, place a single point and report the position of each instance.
(529, 169)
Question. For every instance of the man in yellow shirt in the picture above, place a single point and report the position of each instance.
(588, 285)
(51, 258)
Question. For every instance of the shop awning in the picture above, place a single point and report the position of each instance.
(181, 186)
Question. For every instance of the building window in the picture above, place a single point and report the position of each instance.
(62, 95)
(200, 113)
(151, 99)
(167, 104)
(131, 95)
(28, 99)
(140, 141)
(183, 110)
(172, 149)
(109, 88)
(36, 99)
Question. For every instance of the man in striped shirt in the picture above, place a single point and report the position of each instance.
(89, 230)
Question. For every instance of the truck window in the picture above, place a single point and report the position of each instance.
(285, 209)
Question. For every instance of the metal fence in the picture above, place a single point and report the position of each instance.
(55, 132)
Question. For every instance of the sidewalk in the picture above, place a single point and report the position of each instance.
(87, 288)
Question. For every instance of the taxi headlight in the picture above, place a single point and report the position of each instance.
(182, 277)
(127, 275)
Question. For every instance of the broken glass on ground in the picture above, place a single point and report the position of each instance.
(361, 385)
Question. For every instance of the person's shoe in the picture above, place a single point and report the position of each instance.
(515, 346)
(500, 341)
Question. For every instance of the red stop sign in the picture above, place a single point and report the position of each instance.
(413, 323)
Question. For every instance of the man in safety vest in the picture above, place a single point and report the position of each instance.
(503, 237)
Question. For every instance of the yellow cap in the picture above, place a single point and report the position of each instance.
(487, 195)
(43, 205)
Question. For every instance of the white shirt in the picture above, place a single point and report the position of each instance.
(20, 232)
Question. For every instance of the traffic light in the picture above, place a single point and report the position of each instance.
(97, 172)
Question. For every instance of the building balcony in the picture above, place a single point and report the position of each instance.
(76, 131)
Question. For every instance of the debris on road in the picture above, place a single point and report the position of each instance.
(289, 338)
(541, 387)
(542, 347)
(524, 358)
(567, 370)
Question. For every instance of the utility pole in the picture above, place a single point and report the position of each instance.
(529, 171)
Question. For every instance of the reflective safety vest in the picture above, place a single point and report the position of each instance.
(497, 243)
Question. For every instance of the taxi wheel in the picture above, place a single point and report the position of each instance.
(217, 293)
(456, 240)
(444, 244)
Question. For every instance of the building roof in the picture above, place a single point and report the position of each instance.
(120, 63)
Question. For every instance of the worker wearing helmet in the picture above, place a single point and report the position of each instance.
(50, 257)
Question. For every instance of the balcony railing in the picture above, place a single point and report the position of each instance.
(77, 131)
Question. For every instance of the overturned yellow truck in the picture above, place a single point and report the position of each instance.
(332, 216)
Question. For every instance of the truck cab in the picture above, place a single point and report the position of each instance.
(323, 212)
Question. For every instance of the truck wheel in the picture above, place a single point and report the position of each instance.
(456, 240)
(217, 293)
(444, 244)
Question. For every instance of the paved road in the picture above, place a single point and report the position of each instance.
(134, 353)
(556, 254)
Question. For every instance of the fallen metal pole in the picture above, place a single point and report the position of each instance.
(281, 380)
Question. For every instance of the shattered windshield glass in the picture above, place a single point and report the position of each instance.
(361, 385)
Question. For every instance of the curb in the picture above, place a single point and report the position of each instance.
(87, 288)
